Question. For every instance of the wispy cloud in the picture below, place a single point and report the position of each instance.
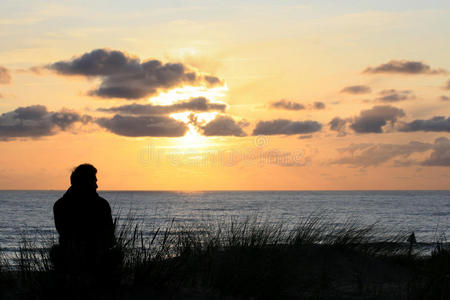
(356, 89)
(366, 155)
(5, 76)
(287, 105)
(447, 86)
(291, 105)
(441, 153)
(392, 95)
(371, 155)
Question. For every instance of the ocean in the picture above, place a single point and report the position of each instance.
(427, 213)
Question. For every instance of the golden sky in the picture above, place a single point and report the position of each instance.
(247, 95)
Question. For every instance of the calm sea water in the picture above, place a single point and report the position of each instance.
(427, 213)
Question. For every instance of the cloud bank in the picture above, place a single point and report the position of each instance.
(436, 124)
(367, 155)
(199, 104)
(123, 76)
(143, 126)
(35, 122)
(286, 127)
(441, 153)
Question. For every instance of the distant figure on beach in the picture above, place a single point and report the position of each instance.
(85, 226)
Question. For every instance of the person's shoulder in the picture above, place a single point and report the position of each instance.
(58, 203)
(104, 202)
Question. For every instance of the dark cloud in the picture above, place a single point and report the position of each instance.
(288, 105)
(365, 155)
(404, 67)
(222, 126)
(357, 89)
(5, 76)
(319, 105)
(373, 120)
(436, 124)
(65, 119)
(441, 153)
(338, 124)
(136, 126)
(287, 127)
(199, 104)
(244, 123)
(445, 98)
(35, 121)
(100, 62)
(123, 76)
(305, 137)
(212, 80)
(393, 95)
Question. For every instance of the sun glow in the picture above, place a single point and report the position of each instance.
(200, 118)
(193, 138)
(177, 94)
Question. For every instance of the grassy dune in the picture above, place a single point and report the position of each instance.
(249, 259)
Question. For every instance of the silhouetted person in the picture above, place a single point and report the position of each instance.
(412, 241)
(86, 231)
(82, 217)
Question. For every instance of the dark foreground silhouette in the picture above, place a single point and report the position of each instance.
(250, 260)
(229, 261)
(85, 258)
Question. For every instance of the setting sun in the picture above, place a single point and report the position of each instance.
(186, 92)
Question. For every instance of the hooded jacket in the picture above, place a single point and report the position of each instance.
(83, 219)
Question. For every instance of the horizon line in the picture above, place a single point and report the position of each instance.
(238, 190)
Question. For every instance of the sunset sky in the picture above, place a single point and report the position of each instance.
(226, 95)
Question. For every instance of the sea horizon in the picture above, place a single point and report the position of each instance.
(242, 190)
(427, 212)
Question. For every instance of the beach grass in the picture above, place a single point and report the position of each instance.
(250, 258)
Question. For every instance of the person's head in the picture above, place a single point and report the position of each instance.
(84, 176)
